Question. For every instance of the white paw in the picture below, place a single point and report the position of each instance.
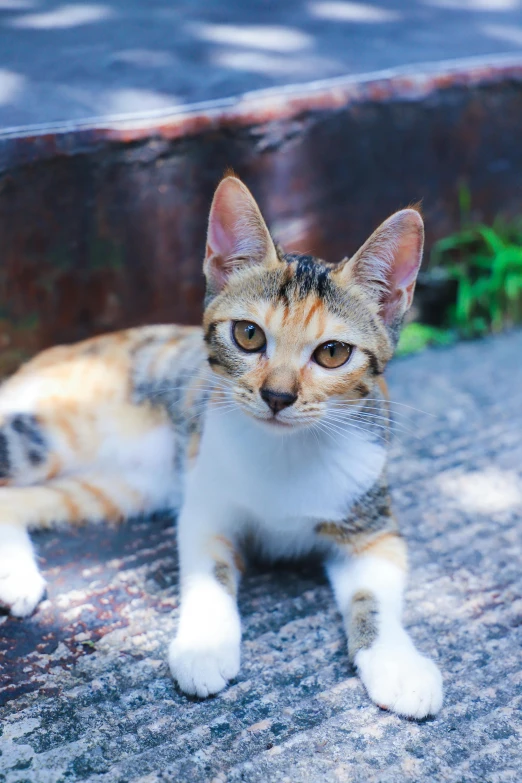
(202, 670)
(21, 584)
(400, 679)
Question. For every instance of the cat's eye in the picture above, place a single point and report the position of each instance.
(332, 354)
(249, 336)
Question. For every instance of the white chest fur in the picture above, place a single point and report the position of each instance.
(279, 484)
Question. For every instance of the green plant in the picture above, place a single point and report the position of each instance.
(486, 264)
(416, 337)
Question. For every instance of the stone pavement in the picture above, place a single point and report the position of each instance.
(86, 692)
(64, 61)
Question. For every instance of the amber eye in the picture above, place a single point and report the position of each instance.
(332, 354)
(249, 336)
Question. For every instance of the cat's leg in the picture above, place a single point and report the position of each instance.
(65, 500)
(21, 584)
(206, 651)
(369, 591)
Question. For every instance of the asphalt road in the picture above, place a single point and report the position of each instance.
(66, 61)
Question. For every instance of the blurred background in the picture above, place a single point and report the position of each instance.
(117, 120)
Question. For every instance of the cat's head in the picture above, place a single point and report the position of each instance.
(291, 334)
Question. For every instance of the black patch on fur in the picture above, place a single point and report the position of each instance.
(285, 288)
(363, 625)
(209, 334)
(214, 362)
(362, 390)
(310, 276)
(35, 457)
(374, 363)
(28, 427)
(371, 513)
(4, 457)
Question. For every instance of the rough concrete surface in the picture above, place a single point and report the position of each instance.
(86, 691)
(63, 61)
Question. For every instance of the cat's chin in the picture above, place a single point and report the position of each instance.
(276, 425)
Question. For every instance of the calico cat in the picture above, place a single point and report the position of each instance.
(265, 426)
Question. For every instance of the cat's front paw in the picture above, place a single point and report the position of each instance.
(400, 679)
(202, 670)
(21, 584)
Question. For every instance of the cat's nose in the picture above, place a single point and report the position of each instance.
(277, 400)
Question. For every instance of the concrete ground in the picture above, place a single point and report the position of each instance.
(63, 61)
(85, 689)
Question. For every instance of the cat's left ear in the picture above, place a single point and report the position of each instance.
(237, 234)
(387, 265)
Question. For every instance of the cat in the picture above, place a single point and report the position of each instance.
(266, 426)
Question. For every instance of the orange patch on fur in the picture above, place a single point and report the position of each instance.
(322, 323)
(236, 557)
(390, 547)
(110, 510)
(383, 386)
(74, 512)
(193, 446)
(269, 314)
(65, 426)
(313, 309)
(54, 468)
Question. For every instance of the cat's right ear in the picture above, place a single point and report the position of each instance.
(237, 234)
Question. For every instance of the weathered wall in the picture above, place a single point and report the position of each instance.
(103, 228)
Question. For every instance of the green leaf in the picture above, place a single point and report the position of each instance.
(464, 301)
(513, 286)
(491, 238)
(415, 337)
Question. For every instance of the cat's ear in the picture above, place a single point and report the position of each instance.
(387, 264)
(237, 234)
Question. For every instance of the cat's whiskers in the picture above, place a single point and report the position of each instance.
(383, 422)
(203, 380)
(364, 408)
(337, 428)
(216, 408)
(384, 403)
(370, 416)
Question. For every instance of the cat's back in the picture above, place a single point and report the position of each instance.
(105, 369)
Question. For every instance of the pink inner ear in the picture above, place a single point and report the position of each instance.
(223, 222)
(237, 234)
(403, 237)
(407, 261)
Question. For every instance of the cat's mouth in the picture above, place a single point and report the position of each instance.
(275, 423)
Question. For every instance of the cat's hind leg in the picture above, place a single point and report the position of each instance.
(66, 500)
(22, 586)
